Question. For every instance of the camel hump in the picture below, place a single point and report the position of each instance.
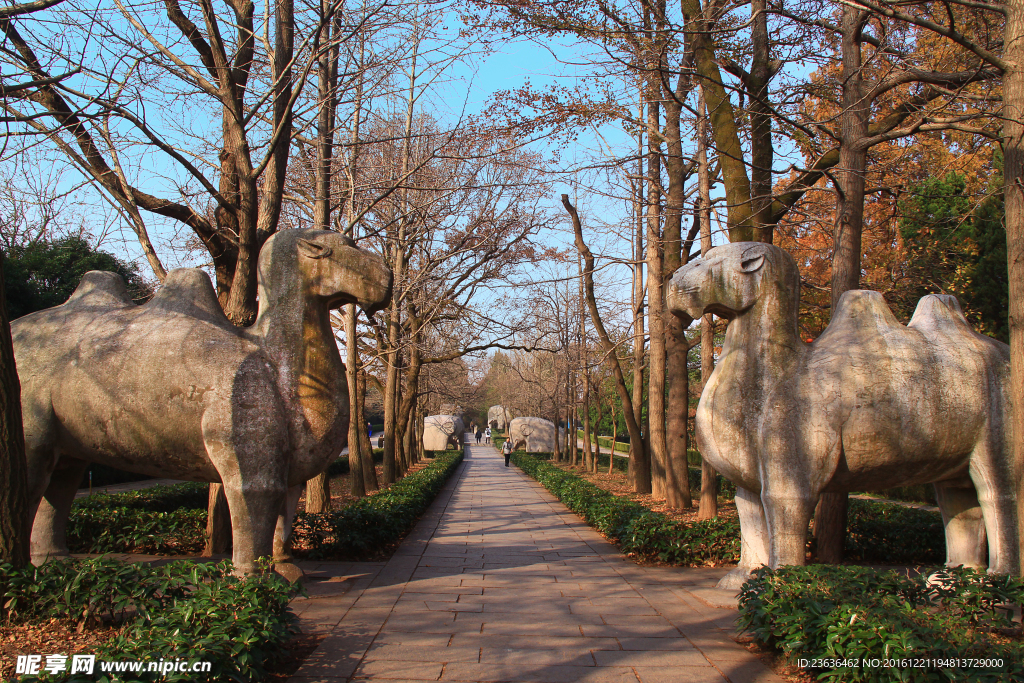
(865, 308)
(940, 313)
(100, 289)
(188, 291)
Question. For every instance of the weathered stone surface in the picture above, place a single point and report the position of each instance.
(442, 431)
(173, 389)
(870, 404)
(533, 434)
(498, 417)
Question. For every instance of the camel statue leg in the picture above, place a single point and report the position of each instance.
(787, 510)
(283, 531)
(991, 471)
(49, 528)
(253, 518)
(966, 542)
(238, 435)
(753, 539)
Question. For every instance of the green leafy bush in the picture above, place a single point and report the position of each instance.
(639, 531)
(182, 610)
(853, 614)
(887, 533)
(187, 496)
(158, 520)
(371, 524)
(127, 530)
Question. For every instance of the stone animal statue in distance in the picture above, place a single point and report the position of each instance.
(871, 404)
(173, 389)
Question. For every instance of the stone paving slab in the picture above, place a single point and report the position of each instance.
(499, 583)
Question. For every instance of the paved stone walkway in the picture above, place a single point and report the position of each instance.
(500, 582)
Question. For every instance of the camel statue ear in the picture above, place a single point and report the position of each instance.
(313, 250)
(751, 264)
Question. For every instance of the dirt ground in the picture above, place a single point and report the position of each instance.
(52, 637)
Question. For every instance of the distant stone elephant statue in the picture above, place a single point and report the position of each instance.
(173, 389)
(871, 404)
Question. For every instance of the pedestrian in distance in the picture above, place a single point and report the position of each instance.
(479, 435)
(506, 449)
(487, 435)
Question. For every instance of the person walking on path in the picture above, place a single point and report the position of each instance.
(479, 434)
(487, 434)
(506, 449)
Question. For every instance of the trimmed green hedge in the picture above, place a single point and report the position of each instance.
(887, 533)
(638, 531)
(846, 613)
(883, 533)
(182, 610)
(159, 520)
(171, 520)
(373, 523)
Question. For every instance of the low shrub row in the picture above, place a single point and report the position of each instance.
(182, 610)
(884, 626)
(171, 520)
(887, 533)
(881, 533)
(162, 520)
(375, 522)
(129, 530)
(639, 531)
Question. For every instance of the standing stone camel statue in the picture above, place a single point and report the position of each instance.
(173, 389)
(871, 404)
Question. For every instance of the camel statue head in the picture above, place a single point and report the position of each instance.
(732, 278)
(331, 269)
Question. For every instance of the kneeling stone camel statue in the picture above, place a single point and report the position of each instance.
(871, 404)
(173, 389)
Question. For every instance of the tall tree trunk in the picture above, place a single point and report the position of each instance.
(677, 348)
(588, 456)
(1013, 196)
(390, 401)
(761, 151)
(831, 513)
(639, 472)
(607, 345)
(708, 477)
(15, 525)
(558, 416)
(370, 482)
(708, 508)
(615, 436)
(655, 300)
(701, 36)
(318, 493)
(356, 425)
(218, 522)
